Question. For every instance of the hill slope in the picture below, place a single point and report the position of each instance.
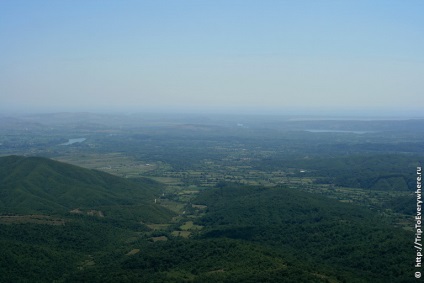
(57, 219)
(356, 243)
(34, 185)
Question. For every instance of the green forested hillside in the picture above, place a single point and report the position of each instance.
(56, 219)
(256, 234)
(316, 230)
(202, 260)
(39, 185)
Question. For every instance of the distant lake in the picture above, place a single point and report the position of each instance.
(338, 131)
(72, 141)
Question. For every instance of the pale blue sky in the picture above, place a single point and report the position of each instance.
(251, 56)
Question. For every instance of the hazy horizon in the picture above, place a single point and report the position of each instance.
(344, 58)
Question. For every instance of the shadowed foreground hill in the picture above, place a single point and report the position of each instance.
(40, 185)
(359, 244)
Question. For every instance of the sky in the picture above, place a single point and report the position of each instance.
(241, 56)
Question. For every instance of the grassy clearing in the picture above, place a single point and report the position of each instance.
(199, 206)
(189, 226)
(167, 180)
(184, 234)
(133, 252)
(177, 207)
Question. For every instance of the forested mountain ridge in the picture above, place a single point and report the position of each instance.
(41, 185)
(56, 218)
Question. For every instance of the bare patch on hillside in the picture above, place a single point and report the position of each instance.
(91, 212)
